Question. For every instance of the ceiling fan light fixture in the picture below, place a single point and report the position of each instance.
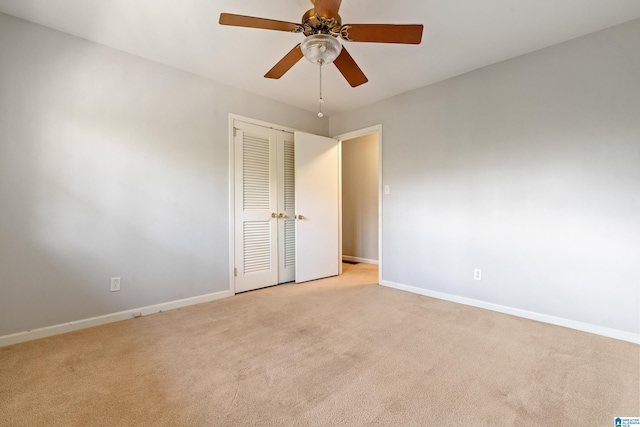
(321, 48)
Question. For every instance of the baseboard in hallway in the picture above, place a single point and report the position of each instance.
(354, 259)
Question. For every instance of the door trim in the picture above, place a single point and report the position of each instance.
(351, 135)
(232, 224)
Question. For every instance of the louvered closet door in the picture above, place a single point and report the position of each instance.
(286, 208)
(256, 209)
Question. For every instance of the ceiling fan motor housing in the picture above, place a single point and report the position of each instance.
(313, 23)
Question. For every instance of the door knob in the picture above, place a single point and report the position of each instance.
(300, 216)
(274, 215)
(282, 215)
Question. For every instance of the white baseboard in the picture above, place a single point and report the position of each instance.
(75, 325)
(545, 318)
(358, 259)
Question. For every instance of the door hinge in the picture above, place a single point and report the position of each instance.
(235, 272)
(234, 131)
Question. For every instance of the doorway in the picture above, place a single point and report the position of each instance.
(361, 197)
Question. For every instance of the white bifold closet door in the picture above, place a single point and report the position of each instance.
(266, 185)
(264, 207)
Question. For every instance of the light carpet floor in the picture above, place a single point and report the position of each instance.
(336, 352)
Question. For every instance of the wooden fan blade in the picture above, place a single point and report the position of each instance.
(383, 33)
(350, 69)
(252, 22)
(327, 8)
(289, 60)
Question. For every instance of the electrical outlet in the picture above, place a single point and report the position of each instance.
(477, 274)
(115, 284)
(387, 189)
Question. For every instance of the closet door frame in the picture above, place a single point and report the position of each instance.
(232, 119)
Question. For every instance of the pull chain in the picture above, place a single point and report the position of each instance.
(321, 101)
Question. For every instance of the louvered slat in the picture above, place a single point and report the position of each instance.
(289, 177)
(289, 243)
(289, 252)
(256, 184)
(257, 246)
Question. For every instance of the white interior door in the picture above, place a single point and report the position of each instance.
(317, 207)
(256, 219)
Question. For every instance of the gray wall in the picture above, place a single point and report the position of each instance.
(111, 165)
(360, 197)
(528, 169)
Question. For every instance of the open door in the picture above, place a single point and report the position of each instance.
(317, 207)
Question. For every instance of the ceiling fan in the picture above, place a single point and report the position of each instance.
(322, 26)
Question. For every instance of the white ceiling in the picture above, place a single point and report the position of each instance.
(459, 36)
